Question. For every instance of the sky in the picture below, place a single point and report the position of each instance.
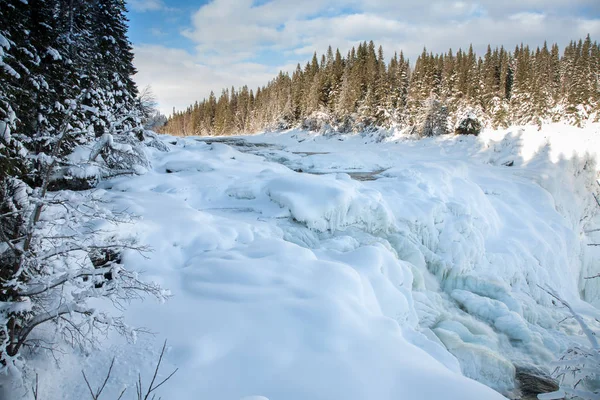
(185, 49)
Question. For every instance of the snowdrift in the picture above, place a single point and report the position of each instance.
(422, 282)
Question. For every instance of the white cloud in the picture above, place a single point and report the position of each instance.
(178, 79)
(239, 28)
(146, 5)
(227, 34)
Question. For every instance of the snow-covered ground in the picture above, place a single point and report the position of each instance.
(355, 267)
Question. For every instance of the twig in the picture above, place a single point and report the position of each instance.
(112, 362)
(584, 327)
(564, 319)
(89, 386)
(35, 388)
(8, 214)
(152, 388)
(96, 395)
(122, 393)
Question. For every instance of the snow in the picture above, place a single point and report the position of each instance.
(341, 202)
(4, 43)
(416, 283)
(54, 54)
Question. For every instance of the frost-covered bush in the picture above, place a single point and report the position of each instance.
(579, 373)
(122, 153)
(578, 370)
(67, 259)
(151, 140)
(59, 254)
(141, 392)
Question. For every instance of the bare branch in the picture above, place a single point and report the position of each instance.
(89, 386)
(152, 387)
(8, 242)
(596, 198)
(584, 327)
(122, 393)
(64, 279)
(112, 362)
(10, 214)
(70, 249)
(35, 389)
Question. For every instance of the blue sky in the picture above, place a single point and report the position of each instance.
(185, 49)
(153, 22)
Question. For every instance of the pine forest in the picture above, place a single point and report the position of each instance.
(362, 91)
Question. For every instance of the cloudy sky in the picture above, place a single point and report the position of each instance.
(185, 49)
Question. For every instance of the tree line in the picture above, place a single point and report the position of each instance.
(362, 91)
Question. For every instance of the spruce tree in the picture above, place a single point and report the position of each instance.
(361, 90)
(65, 69)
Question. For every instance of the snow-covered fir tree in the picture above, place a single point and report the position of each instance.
(363, 91)
(69, 118)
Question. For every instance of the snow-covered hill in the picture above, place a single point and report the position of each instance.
(356, 267)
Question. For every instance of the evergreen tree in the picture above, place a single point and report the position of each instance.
(65, 90)
(522, 105)
(361, 90)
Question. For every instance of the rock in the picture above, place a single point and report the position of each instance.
(73, 183)
(532, 382)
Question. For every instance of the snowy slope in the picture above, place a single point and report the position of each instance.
(356, 267)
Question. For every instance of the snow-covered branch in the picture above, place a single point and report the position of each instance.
(579, 367)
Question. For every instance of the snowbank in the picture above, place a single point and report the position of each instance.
(331, 202)
(320, 286)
